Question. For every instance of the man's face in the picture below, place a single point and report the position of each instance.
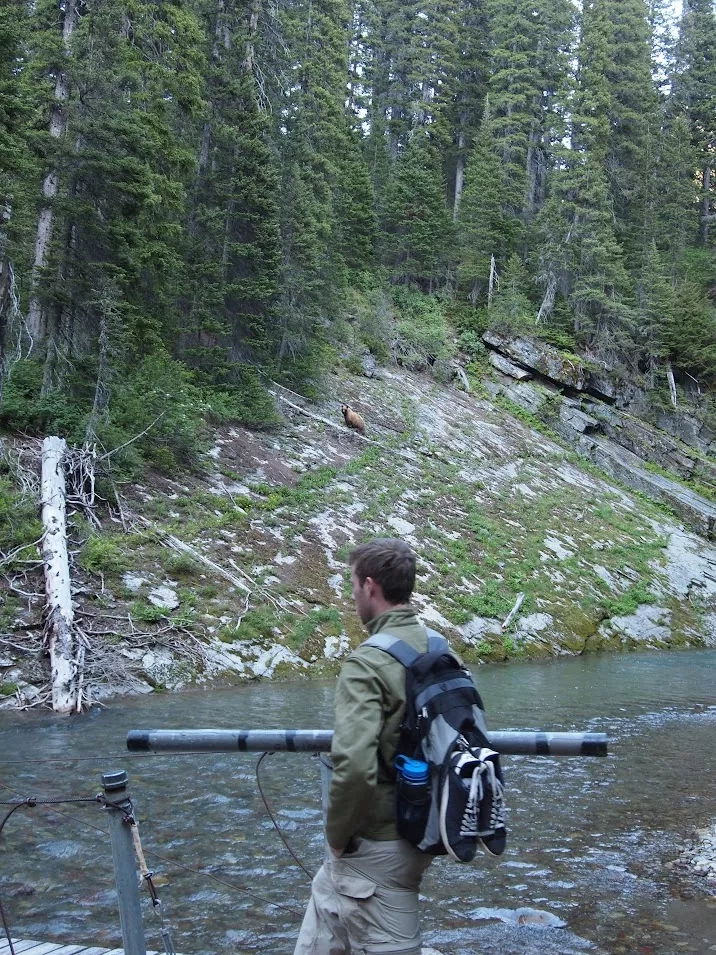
(362, 598)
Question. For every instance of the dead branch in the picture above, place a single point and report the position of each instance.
(108, 454)
(511, 615)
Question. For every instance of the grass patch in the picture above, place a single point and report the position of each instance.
(102, 554)
(327, 618)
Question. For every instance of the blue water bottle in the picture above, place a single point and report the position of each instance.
(412, 798)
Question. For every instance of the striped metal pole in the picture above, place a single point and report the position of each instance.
(509, 743)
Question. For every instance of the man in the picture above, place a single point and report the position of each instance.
(365, 896)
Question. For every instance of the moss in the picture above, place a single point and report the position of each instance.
(7, 689)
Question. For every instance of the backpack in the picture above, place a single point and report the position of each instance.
(444, 726)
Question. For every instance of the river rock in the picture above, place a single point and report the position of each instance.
(163, 597)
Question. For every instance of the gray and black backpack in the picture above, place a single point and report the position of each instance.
(444, 726)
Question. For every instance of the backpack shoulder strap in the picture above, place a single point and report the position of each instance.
(437, 642)
(398, 649)
(402, 651)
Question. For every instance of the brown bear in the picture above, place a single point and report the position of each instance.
(353, 419)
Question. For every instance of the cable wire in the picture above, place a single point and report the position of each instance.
(240, 890)
(273, 820)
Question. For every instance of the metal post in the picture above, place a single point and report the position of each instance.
(125, 868)
(508, 743)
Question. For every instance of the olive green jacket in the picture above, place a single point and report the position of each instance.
(369, 707)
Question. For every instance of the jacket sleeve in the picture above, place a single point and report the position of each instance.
(358, 724)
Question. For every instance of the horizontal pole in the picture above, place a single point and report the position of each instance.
(511, 743)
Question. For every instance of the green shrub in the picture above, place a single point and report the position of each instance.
(20, 525)
(421, 335)
(102, 554)
(308, 625)
(181, 565)
(257, 624)
(148, 613)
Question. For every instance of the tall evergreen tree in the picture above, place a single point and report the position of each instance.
(315, 140)
(633, 121)
(233, 250)
(18, 172)
(483, 230)
(694, 92)
(599, 282)
(531, 46)
(417, 240)
(676, 219)
(120, 166)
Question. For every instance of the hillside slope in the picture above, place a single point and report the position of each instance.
(492, 507)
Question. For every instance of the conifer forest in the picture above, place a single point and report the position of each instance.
(200, 196)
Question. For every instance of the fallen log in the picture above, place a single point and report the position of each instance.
(59, 619)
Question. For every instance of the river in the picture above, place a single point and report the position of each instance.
(589, 838)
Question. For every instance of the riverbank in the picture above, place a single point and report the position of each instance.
(698, 860)
(238, 572)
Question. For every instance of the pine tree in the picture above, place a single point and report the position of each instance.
(19, 170)
(633, 120)
(482, 229)
(529, 70)
(470, 89)
(694, 93)
(120, 171)
(417, 228)
(233, 242)
(314, 144)
(654, 308)
(675, 220)
(599, 285)
(512, 304)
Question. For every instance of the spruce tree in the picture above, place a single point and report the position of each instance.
(417, 228)
(676, 218)
(233, 240)
(694, 93)
(599, 285)
(19, 171)
(633, 121)
(121, 168)
(482, 228)
(315, 142)
(531, 46)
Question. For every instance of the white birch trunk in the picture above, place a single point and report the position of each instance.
(50, 186)
(672, 383)
(60, 618)
(494, 282)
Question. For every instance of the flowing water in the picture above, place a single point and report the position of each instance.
(589, 838)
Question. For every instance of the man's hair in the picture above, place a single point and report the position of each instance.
(390, 562)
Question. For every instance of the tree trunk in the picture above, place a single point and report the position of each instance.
(50, 186)
(672, 383)
(459, 168)
(706, 206)
(60, 617)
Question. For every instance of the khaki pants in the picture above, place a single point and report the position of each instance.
(366, 903)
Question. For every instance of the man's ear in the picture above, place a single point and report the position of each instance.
(371, 586)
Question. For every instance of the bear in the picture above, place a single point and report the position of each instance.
(353, 419)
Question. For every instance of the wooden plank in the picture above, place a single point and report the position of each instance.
(45, 948)
(33, 947)
(19, 945)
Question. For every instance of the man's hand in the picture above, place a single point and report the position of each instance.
(336, 853)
